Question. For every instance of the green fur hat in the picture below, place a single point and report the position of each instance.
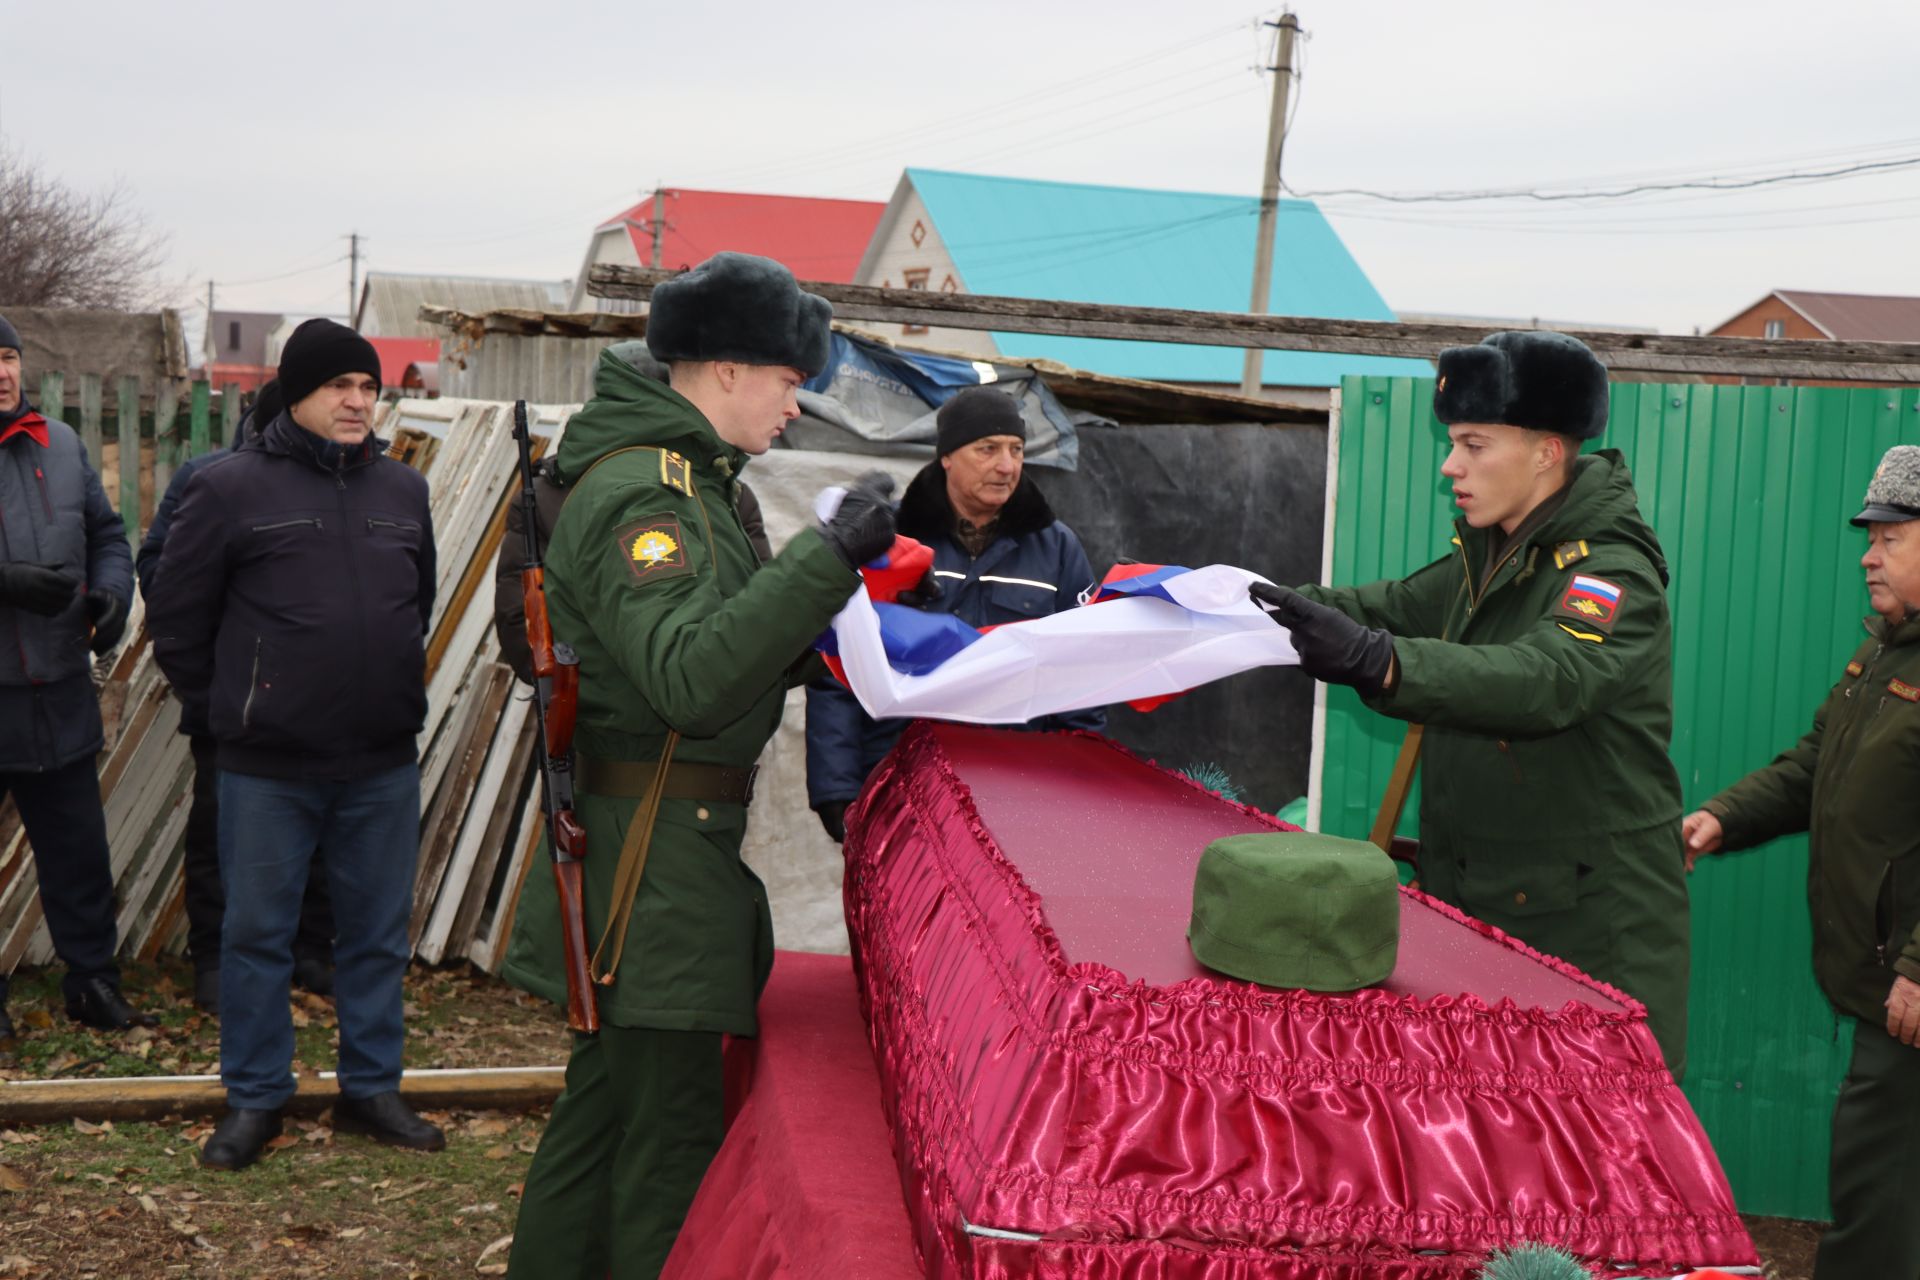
(1531, 378)
(735, 306)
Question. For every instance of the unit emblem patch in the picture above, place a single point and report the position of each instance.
(653, 548)
(1901, 689)
(1855, 670)
(1592, 600)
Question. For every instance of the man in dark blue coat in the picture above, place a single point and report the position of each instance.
(999, 556)
(206, 902)
(297, 585)
(66, 581)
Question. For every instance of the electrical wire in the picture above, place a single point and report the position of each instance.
(1796, 177)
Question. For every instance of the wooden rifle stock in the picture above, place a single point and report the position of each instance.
(556, 683)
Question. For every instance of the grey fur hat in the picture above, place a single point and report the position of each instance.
(1533, 378)
(1893, 495)
(735, 306)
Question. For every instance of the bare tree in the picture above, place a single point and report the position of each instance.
(62, 248)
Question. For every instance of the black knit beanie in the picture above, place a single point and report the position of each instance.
(320, 351)
(977, 412)
(9, 336)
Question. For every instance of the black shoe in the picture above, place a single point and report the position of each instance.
(310, 973)
(206, 991)
(98, 1003)
(242, 1134)
(385, 1117)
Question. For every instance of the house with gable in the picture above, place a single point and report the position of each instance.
(1811, 316)
(1130, 246)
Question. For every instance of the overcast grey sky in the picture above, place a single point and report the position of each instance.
(489, 138)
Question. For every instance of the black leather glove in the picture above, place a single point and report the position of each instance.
(1332, 646)
(863, 526)
(37, 588)
(833, 816)
(925, 592)
(109, 619)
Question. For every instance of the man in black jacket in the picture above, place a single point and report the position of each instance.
(66, 580)
(297, 586)
(206, 902)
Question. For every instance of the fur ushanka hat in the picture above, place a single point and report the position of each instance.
(735, 306)
(1531, 378)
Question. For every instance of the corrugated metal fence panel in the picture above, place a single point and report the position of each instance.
(1749, 489)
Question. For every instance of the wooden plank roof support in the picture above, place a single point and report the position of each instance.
(154, 1097)
(1889, 362)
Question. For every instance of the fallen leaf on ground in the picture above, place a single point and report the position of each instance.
(11, 1180)
(494, 1248)
(90, 1128)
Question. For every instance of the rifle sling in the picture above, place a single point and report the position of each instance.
(632, 864)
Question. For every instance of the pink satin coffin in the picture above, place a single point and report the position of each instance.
(1072, 1095)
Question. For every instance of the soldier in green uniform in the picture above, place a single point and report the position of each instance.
(1849, 783)
(687, 644)
(1538, 654)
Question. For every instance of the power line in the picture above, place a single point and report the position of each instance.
(1617, 193)
(285, 275)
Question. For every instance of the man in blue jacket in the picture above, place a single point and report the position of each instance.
(999, 556)
(206, 902)
(297, 583)
(66, 581)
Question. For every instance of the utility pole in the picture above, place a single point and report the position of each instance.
(1282, 68)
(659, 222)
(209, 302)
(353, 276)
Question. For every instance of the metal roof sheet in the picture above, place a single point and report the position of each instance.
(391, 301)
(1858, 317)
(1031, 239)
(816, 239)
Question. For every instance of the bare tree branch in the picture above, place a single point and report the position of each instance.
(60, 248)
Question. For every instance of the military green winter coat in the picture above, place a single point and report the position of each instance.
(650, 577)
(1549, 806)
(1852, 784)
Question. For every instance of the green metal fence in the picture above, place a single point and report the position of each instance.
(1750, 490)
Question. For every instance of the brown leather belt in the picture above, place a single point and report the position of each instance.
(629, 779)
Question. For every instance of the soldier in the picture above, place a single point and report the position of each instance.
(1538, 654)
(1849, 782)
(686, 646)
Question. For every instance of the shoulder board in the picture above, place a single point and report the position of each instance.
(1901, 689)
(676, 472)
(1568, 554)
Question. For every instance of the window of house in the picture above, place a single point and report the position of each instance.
(916, 278)
(233, 335)
(1776, 329)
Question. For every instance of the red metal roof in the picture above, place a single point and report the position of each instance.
(397, 353)
(1858, 317)
(816, 239)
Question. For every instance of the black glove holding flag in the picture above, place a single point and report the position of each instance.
(1332, 646)
(862, 526)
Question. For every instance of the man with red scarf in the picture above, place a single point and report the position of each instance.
(66, 581)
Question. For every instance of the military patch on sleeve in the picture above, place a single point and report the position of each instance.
(1855, 670)
(676, 473)
(1901, 689)
(1569, 553)
(1594, 601)
(653, 548)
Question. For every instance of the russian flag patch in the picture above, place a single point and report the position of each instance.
(1592, 600)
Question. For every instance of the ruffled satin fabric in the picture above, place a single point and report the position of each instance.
(1054, 1114)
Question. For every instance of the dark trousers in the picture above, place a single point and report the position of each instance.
(1875, 1178)
(67, 830)
(206, 900)
(631, 1136)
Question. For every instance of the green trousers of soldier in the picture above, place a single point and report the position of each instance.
(631, 1136)
(1875, 1180)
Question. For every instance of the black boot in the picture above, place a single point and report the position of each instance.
(98, 1003)
(385, 1117)
(242, 1134)
(206, 991)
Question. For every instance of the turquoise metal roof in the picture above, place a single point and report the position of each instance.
(1134, 247)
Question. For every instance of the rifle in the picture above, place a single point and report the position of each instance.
(556, 691)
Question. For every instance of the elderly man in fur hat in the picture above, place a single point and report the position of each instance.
(999, 556)
(1849, 783)
(1538, 654)
(687, 644)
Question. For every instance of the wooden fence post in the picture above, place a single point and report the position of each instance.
(198, 413)
(90, 417)
(129, 433)
(53, 395)
(166, 442)
(229, 412)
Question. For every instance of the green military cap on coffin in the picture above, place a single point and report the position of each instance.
(1296, 909)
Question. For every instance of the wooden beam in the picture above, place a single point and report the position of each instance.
(1892, 362)
(152, 1097)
